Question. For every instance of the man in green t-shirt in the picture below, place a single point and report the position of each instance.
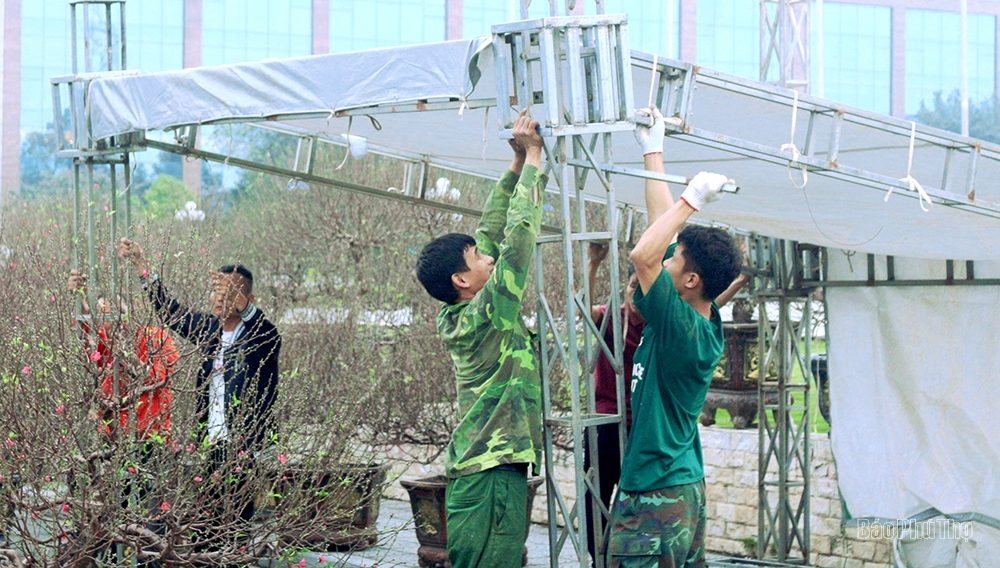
(482, 281)
(658, 518)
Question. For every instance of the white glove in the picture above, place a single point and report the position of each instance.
(704, 188)
(650, 138)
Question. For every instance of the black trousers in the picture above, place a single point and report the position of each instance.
(609, 462)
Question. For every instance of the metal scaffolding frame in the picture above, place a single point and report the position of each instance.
(785, 273)
(578, 70)
(784, 43)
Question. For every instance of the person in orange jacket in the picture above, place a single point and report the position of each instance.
(142, 373)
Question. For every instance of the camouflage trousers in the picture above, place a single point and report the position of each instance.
(487, 519)
(663, 528)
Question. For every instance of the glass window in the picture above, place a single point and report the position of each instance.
(369, 24)
(933, 56)
(647, 24)
(857, 56)
(155, 35)
(235, 31)
(478, 16)
(729, 36)
(45, 53)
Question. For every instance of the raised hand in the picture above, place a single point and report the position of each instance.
(650, 138)
(704, 188)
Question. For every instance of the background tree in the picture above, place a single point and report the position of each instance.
(946, 114)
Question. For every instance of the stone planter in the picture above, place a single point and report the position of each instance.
(427, 502)
(734, 386)
(347, 498)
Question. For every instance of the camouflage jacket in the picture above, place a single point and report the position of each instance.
(496, 366)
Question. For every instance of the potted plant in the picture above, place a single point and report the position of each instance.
(429, 518)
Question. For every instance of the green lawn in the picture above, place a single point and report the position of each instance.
(723, 420)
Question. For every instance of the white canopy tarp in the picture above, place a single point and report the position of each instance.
(913, 396)
(301, 95)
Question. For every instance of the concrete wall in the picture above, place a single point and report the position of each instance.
(731, 487)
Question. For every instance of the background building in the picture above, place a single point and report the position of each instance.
(888, 56)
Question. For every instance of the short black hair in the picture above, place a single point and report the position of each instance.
(441, 258)
(712, 254)
(242, 271)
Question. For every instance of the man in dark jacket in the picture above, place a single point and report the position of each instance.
(238, 380)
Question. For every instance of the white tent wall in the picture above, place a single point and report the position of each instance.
(913, 392)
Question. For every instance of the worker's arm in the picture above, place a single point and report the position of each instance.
(650, 138)
(647, 256)
(489, 232)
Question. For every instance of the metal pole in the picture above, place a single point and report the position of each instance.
(72, 35)
(964, 4)
(671, 35)
(86, 37)
(820, 74)
(108, 34)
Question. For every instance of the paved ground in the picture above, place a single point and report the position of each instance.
(398, 548)
(399, 545)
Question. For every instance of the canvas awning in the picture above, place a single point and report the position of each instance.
(434, 100)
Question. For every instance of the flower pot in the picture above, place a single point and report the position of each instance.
(429, 516)
(344, 502)
(734, 385)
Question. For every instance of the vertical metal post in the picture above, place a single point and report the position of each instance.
(86, 37)
(121, 37)
(107, 31)
(783, 467)
(964, 38)
(584, 81)
(820, 73)
(113, 212)
(91, 228)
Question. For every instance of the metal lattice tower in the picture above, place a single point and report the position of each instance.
(99, 47)
(784, 43)
(786, 275)
(783, 530)
(576, 73)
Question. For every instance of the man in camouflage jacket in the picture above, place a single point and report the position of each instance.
(482, 281)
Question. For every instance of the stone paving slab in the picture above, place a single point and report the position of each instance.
(398, 547)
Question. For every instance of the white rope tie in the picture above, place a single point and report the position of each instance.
(486, 125)
(347, 149)
(652, 83)
(909, 179)
(791, 147)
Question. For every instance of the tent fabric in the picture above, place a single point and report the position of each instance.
(923, 433)
(274, 87)
(299, 95)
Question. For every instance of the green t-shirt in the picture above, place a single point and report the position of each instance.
(496, 367)
(671, 371)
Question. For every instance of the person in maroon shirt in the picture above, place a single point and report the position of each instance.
(605, 387)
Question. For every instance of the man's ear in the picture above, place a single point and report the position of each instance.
(459, 281)
(250, 298)
(692, 280)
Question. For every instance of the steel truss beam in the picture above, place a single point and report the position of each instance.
(786, 273)
(578, 69)
(679, 82)
(784, 36)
